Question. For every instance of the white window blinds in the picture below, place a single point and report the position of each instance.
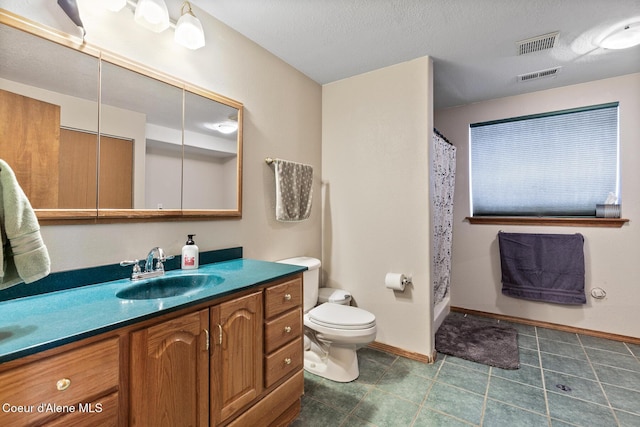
(555, 164)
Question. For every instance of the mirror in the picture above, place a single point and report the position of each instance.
(136, 112)
(151, 147)
(38, 108)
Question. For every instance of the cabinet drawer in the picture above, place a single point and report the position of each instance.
(283, 297)
(63, 381)
(282, 329)
(103, 413)
(282, 362)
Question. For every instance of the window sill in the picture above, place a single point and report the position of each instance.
(563, 222)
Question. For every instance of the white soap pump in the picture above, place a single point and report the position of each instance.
(190, 255)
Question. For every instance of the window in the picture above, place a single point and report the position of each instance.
(561, 163)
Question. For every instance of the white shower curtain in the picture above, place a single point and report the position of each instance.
(443, 183)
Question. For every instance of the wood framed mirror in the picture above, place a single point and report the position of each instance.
(93, 136)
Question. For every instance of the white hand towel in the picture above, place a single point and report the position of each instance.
(23, 253)
(294, 190)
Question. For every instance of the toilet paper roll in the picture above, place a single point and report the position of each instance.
(395, 281)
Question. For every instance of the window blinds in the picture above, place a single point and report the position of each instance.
(555, 164)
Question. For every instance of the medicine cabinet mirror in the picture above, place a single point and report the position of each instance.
(92, 136)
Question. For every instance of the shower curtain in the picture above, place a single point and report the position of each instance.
(443, 182)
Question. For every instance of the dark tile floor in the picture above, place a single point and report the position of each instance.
(565, 379)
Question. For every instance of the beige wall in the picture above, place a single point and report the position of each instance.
(282, 119)
(376, 133)
(611, 254)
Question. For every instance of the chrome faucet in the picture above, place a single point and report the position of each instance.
(155, 253)
(148, 267)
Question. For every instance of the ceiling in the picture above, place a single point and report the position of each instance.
(472, 42)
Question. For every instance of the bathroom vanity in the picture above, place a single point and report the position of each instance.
(228, 354)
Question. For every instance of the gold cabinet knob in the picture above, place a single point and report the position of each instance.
(287, 329)
(63, 384)
(287, 361)
(287, 297)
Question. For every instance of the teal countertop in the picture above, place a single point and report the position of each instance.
(32, 324)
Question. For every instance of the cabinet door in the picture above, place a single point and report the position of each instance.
(78, 170)
(236, 362)
(169, 373)
(116, 173)
(29, 141)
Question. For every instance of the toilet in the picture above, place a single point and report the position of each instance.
(334, 330)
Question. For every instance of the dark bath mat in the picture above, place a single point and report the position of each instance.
(478, 340)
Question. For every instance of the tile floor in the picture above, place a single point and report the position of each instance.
(564, 379)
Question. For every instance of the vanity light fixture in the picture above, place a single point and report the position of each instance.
(152, 14)
(622, 37)
(189, 32)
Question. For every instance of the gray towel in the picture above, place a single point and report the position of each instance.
(543, 267)
(294, 190)
(23, 253)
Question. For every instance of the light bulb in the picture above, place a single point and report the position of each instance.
(189, 32)
(152, 14)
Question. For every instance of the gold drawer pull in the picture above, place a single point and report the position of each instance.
(287, 361)
(287, 297)
(63, 384)
(287, 329)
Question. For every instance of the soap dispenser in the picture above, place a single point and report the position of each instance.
(190, 255)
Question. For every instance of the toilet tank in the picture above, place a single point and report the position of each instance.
(311, 279)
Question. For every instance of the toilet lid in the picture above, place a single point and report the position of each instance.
(342, 317)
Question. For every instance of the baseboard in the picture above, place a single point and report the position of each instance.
(556, 326)
(404, 353)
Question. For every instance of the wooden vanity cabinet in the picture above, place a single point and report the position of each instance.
(236, 357)
(235, 363)
(169, 372)
(283, 378)
(283, 330)
(76, 387)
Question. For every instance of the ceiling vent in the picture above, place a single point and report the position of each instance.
(549, 72)
(536, 44)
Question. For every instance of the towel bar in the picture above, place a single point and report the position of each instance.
(269, 160)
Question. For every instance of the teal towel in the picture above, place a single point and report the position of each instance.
(23, 253)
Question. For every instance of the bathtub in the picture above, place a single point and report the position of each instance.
(440, 311)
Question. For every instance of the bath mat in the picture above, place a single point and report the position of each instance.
(479, 340)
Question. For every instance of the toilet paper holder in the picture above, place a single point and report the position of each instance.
(397, 281)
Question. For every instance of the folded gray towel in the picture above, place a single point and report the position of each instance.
(294, 190)
(23, 253)
(543, 267)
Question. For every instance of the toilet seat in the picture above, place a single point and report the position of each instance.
(343, 317)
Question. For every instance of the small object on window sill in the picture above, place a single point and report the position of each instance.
(608, 211)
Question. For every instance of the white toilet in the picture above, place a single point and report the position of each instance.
(333, 330)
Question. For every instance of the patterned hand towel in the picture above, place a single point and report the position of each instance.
(294, 190)
(23, 253)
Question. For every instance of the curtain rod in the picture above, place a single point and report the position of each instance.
(437, 132)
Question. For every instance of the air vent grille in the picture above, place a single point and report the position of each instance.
(550, 72)
(536, 44)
